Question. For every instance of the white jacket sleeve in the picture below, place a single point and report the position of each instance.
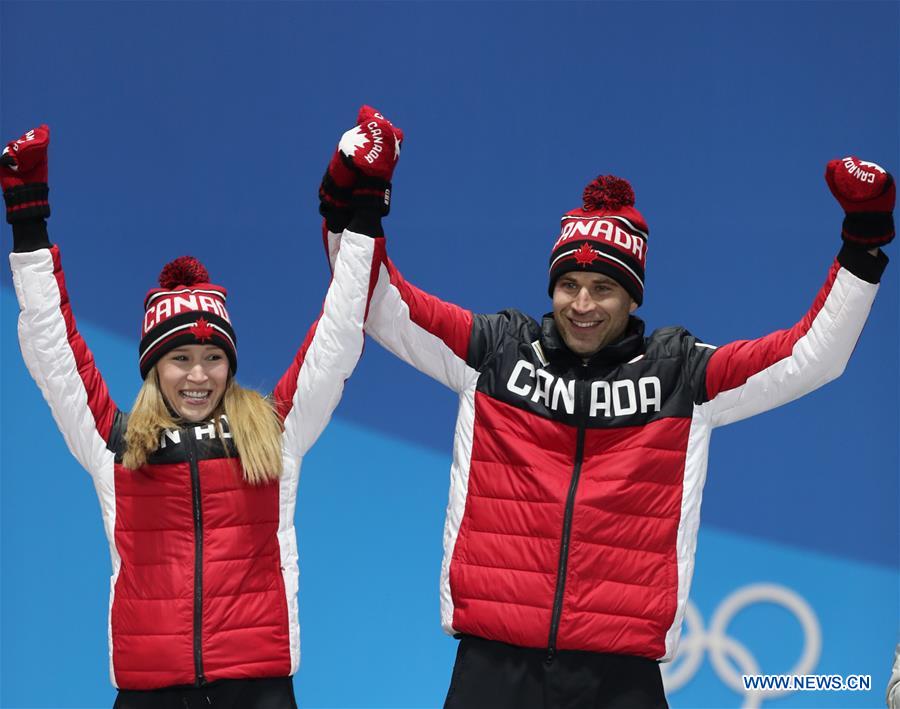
(310, 389)
(747, 377)
(59, 360)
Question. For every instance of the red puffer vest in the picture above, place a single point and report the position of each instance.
(199, 594)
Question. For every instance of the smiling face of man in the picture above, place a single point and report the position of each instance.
(591, 310)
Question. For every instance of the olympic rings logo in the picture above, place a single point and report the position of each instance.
(729, 657)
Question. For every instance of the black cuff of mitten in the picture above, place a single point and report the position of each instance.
(372, 194)
(30, 235)
(333, 191)
(868, 229)
(29, 201)
(335, 219)
(861, 263)
(367, 222)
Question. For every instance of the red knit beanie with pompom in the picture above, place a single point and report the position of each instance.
(185, 310)
(605, 235)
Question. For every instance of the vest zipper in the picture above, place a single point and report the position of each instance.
(198, 556)
(567, 527)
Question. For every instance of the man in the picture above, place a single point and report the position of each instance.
(581, 444)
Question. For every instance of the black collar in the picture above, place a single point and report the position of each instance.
(627, 347)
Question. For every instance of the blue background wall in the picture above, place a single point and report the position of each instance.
(204, 128)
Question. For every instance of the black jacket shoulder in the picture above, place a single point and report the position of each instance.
(676, 342)
(671, 341)
(490, 331)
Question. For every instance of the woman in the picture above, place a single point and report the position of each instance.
(197, 485)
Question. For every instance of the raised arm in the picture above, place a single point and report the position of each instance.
(54, 351)
(430, 334)
(747, 377)
(311, 388)
(424, 331)
(309, 391)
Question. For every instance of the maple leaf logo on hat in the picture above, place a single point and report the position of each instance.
(202, 330)
(585, 255)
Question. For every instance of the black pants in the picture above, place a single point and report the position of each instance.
(265, 693)
(494, 675)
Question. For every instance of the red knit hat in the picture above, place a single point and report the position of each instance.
(607, 235)
(186, 310)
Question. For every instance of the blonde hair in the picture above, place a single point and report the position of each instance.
(252, 420)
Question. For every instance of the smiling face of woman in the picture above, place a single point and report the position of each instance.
(192, 379)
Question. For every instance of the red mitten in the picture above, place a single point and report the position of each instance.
(360, 171)
(374, 145)
(23, 176)
(867, 194)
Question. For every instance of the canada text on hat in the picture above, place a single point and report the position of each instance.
(166, 304)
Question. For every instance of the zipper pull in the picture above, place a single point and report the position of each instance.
(551, 655)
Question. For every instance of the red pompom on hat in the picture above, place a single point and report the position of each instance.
(185, 310)
(183, 271)
(607, 192)
(606, 235)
